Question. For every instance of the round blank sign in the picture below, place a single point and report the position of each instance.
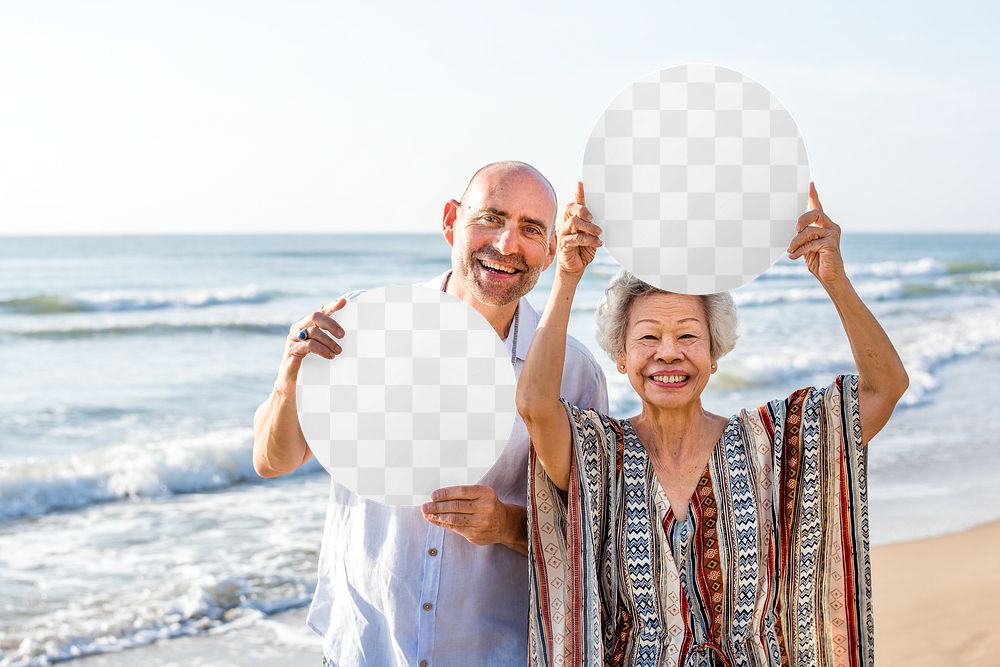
(697, 175)
(422, 396)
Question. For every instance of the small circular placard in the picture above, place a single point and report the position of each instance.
(422, 396)
(697, 175)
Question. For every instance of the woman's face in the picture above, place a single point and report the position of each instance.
(667, 349)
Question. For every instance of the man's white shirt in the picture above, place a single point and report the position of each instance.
(393, 589)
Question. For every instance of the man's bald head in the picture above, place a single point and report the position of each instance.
(506, 168)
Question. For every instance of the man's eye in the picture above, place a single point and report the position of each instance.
(533, 230)
(489, 217)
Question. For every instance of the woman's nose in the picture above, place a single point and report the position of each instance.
(667, 351)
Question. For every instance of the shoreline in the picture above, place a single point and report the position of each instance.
(933, 600)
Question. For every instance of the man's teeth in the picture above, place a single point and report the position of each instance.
(496, 267)
(670, 379)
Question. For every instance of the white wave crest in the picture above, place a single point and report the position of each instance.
(925, 266)
(33, 487)
(882, 290)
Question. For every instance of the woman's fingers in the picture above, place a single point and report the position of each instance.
(581, 241)
(579, 205)
(578, 236)
(814, 202)
(812, 246)
(805, 236)
(818, 243)
(807, 218)
(578, 211)
(577, 225)
(815, 215)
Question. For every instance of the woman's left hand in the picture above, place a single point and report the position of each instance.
(818, 241)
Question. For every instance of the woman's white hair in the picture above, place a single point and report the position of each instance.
(613, 312)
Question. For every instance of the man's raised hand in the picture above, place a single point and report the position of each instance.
(320, 327)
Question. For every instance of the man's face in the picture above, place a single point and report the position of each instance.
(501, 235)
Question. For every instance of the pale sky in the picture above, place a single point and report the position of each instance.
(247, 117)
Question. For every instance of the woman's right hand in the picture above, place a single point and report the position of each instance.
(320, 327)
(579, 237)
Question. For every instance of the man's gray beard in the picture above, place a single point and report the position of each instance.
(470, 270)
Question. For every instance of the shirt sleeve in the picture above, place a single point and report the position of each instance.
(583, 382)
(595, 393)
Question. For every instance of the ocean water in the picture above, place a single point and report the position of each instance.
(130, 368)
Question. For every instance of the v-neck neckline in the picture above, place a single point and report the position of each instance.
(670, 517)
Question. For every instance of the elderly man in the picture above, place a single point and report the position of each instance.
(447, 583)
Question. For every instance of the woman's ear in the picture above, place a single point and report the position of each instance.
(621, 363)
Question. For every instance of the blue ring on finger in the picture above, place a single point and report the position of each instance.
(303, 334)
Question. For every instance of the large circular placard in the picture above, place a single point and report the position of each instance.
(697, 175)
(422, 396)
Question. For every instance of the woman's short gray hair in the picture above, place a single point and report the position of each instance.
(613, 311)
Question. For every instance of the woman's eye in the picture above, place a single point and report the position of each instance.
(688, 336)
(648, 337)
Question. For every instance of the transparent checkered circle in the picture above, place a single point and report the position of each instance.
(422, 396)
(697, 175)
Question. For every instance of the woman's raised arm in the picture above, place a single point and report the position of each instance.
(541, 376)
(882, 380)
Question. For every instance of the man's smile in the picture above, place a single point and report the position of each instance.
(497, 269)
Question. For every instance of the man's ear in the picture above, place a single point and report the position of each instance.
(551, 254)
(448, 219)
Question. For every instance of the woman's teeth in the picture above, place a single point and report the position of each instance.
(670, 379)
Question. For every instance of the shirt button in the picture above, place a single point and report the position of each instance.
(423, 663)
(432, 551)
(428, 606)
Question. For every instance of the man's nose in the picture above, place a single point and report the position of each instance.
(506, 242)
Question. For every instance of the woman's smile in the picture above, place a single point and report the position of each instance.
(669, 379)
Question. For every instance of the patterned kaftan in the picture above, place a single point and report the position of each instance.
(770, 566)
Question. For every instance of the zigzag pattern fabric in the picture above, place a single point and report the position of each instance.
(770, 566)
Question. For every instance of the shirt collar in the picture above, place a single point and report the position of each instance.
(527, 318)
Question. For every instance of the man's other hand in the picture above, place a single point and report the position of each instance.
(475, 513)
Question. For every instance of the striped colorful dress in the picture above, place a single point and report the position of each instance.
(770, 566)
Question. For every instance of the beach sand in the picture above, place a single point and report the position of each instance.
(936, 603)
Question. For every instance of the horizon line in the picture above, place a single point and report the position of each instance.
(963, 232)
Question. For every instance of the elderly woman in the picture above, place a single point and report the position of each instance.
(682, 537)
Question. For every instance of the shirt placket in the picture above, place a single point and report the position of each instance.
(429, 584)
